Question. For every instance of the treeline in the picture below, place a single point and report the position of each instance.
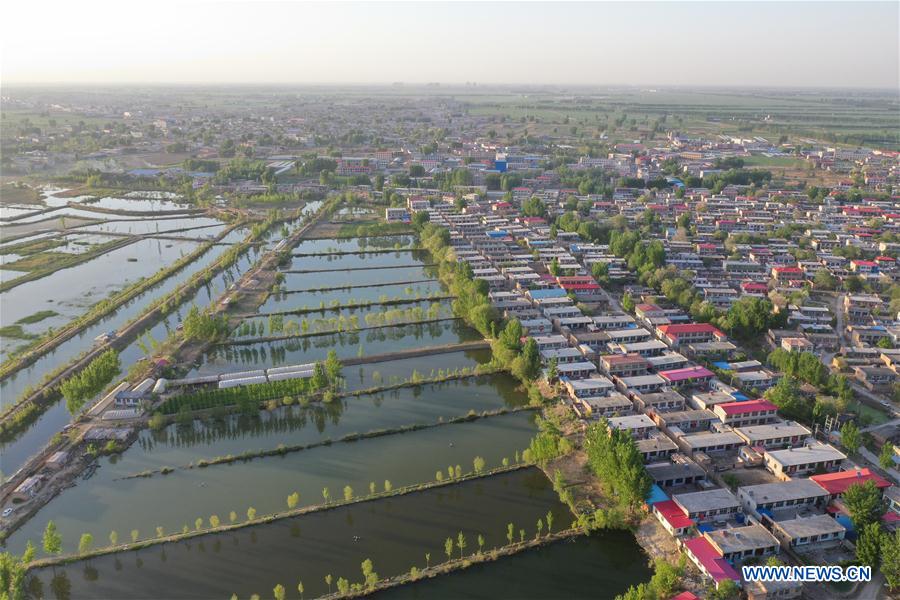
(204, 326)
(90, 381)
(248, 397)
(806, 367)
(614, 458)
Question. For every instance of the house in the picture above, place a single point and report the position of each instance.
(875, 378)
(396, 215)
(710, 561)
(774, 435)
(837, 483)
(685, 420)
(623, 365)
(773, 590)
(693, 376)
(639, 426)
(650, 348)
(595, 386)
(28, 489)
(656, 447)
(680, 470)
(812, 457)
(750, 412)
(738, 543)
(708, 400)
(717, 504)
(576, 370)
(689, 333)
(673, 518)
(659, 401)
(710, 443)
(640, 384)
(613, 405)
(804, 532)
(792, 494)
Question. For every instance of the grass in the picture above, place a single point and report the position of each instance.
(29, 248)
(37, 317)
(37, 262)
(15, 194)
(15, 332)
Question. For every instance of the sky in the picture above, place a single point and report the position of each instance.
(726, 43)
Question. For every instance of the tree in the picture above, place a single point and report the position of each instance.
(627, 303)
(333, 366)
(540, 528)
(824, 280)
(868, 545)
(388, 486)
(850, 437)
(113, 538)
(448, 548)
(134, 535)
(52, 540)
(343, 585)
(213, 521)
(328, 582)
(251, 513)
(326, 495)
(886, 457)
(510, 532)
(864, 503)
(727, 590)
(85, 543)
(549, 518)
(348, 493)
(890, 559)
(293, 500)
(478, 464)
(300, 589)
(278, 592)
(461, 543)
(369, 574)
(480, 543)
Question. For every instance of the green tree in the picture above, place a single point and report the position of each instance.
(134, 535)
(627, 303)
(850, 437)
(510, 532)
(448, 548)
(886, 457)
(293, 500)
(549, 518)
(278, 592)
(251, 513)
(300, 589)
(326, 494)
(890, 559)
(85, 543)
(52, 540)
(348, 493)
(540, 528)
(328, 580)
(113, 538)
(864, 503)
(461, 543)
(480, 543)
(478, 464)
(343, 585)
(868, 545)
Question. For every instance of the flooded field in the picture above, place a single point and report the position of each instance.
(309, 547)
(605, 563)
(238, 357)
(105, 502)
(363, 259)
(69, 292)
(295, 300)
(301, 281)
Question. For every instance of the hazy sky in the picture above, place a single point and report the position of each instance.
(852, 44)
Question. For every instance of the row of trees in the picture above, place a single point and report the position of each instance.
(204, 326)
(82, 386)
(615, 460)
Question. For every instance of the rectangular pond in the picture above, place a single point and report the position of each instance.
(253, 560)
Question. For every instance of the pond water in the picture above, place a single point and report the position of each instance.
(71, 291)
(351, 244)
(306, 281)
(240, 357)
(599, 566)
(255, 559)
(296, 300)
(105, 502)
(153, 225)
(369, 375)
(137, 204)
(15, 452)
(409, 258)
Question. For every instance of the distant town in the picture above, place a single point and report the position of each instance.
(422, 341)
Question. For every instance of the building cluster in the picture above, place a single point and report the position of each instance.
(644, 373)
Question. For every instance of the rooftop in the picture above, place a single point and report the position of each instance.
(837, 483)
(702, 502)
(811, 453)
